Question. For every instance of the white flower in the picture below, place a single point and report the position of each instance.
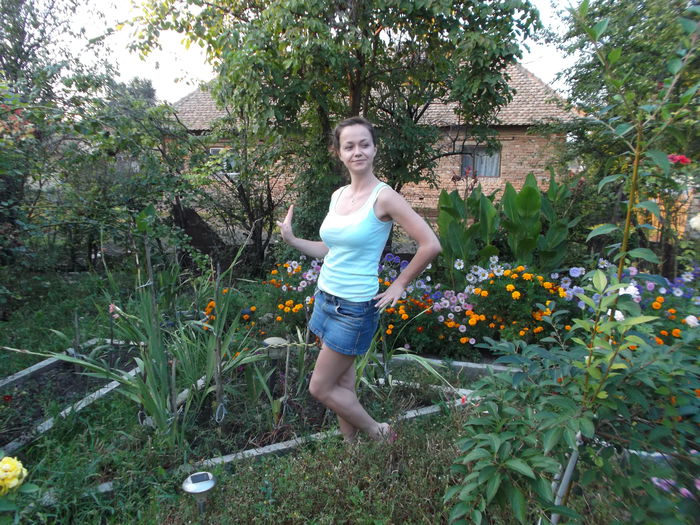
(619, 316)
(429, 266)
(459, 264)
(662, 290)
(630, 290)
(493, 259)
(678, 292)
(687, 277)
(498, 271)
(692, 321)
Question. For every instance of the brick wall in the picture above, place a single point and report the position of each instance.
(520, 154)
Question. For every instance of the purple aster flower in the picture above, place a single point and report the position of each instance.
(554, 276)
(456, 309)
(389, 257)
(472, 341)
(403, 265)
(565, 282)
(437, 307)
(685, 493)
(633, 270)
(461, 297)
(450, 316)
(576, 271)
(420, 283)
(462, 328)
(664, 484)
(581, 305)
(441, 318)
(650, 286)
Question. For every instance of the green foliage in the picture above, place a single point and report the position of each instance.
(602, 380)
(527, 220)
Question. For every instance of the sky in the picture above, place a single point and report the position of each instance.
(175, 71)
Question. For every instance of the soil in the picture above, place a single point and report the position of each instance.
(23, 406)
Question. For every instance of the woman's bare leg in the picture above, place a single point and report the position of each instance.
(347, 381)
(325, 386)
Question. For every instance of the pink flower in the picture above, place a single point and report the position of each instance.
(678, 159)
(112, 308)
(464, 400)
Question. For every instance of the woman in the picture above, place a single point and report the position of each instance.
(347, 306)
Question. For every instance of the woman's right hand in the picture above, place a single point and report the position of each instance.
(286, 226)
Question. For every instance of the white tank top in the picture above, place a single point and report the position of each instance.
(355, 243)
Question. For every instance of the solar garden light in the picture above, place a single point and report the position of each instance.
(276, 347)
(199, 485)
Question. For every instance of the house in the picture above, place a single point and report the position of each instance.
(521, 151)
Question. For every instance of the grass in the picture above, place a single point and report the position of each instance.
(42, 302)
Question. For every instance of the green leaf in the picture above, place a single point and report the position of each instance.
(660, 159)
(458, 511)
(608, 179)
(614, 55)
(587, 427)
(603, 229)
(622, 129)
(476, 454)
(689, 26)
(599, 281)
(674, 65)
(517, 501)
(492, 487)
(602, 394)
(650, 206)
(599, 29)
(551, 438)
(644, 253)
(518, 465)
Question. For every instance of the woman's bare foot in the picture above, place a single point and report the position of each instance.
(385, 433)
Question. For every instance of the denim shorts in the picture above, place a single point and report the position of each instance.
(344, 326)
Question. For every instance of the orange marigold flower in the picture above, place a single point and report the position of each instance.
(513, 275)
(274, 272)
(253, 308)
(540, 278)
(633, 347)
(547, 285)
(280, 306)
(527, 276)
(463, 340)
(211, 304)
(656, 305)
(521, 333)
(676, 332)
(473, 320)
(420, 329)
(501, 327)
(697, 392)
(507, 272)
(562, 292)
(484, 293)
(510, 287)
(663, 332)
(278, 318)
(404, 317)
(515, 295)
(289, 302)
(659, 341)
(287, 309)
(388, 331)
(567, 327)
(672, 310)
(390, 310)
(482, 317)
(520, 268)
(560, 380)
(441, 337)
(492, 325)
(672, 317)
(477, 291)
(659, 299)
(246, 317)
(491, 281)
(224, 291)
(390, 327)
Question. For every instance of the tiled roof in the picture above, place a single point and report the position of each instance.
(198, 110)
(534, 101)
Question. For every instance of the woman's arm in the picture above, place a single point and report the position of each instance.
(315, 249)
(391, 204)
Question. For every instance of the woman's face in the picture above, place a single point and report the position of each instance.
(357, 150)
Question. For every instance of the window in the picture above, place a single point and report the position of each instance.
(476, 158)
(227, 162)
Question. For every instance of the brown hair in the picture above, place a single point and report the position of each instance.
(353, 121)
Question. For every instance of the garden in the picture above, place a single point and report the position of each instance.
(543, 369)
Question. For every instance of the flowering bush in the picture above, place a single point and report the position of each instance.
(501, 301)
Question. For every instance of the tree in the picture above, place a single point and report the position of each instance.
(297, 66)
(637, 78)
